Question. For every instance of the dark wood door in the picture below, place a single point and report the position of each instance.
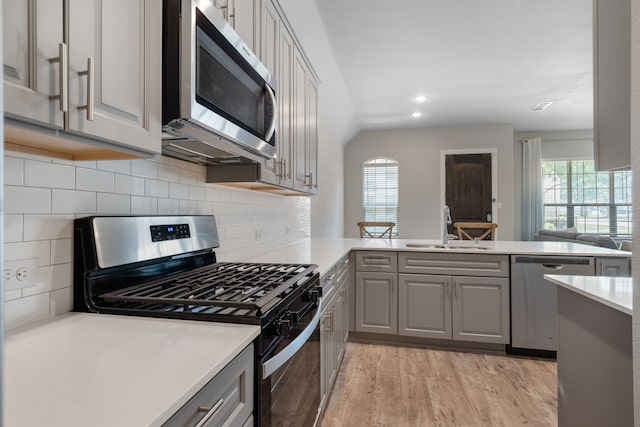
(468, 187)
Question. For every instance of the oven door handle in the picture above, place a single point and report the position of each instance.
(273, 364)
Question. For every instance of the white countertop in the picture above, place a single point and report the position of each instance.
(615, 292)
(95, 370)
(325, 252)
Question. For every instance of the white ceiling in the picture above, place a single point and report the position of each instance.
(476, 61)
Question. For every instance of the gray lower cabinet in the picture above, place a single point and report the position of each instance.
(451, 307)
(227, 400)
(334, 331)
(377, 302)
(620, 267)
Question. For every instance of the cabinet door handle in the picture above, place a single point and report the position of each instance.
(330, 278)
(284, 168)
(210, 412)
(63, 61)
(90, 84)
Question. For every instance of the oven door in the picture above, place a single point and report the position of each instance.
(290, 379)
(226, 89)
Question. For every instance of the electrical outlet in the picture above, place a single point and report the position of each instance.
(20, 273)
(288, 229)
(258, 234)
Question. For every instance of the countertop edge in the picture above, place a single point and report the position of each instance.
(575, 284)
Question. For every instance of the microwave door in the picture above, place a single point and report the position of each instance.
(231, 98)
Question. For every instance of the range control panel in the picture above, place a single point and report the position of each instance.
(160, 233)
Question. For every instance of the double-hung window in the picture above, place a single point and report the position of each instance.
(575, 195)
(380, 191)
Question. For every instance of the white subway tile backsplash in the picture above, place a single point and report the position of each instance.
(39, 219)
(61, 251)
(196, 193)
(168, 207)
(71, 201)
(113, 204)
(178, 191)
(12, 294)
(23, 311)
(155, 188)
(144, 205)
(168, 173)
(95, 180)
(61, 301)
(24, 200)
(13, 171)
(47, 174)
(13, 226)
(40, 249)
(125, 184)
(118, 166)
(188, 177)
(41, 227)
(144, 168)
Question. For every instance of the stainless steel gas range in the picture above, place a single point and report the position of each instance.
(165, 266)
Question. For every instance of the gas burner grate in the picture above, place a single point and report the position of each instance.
(250, 286)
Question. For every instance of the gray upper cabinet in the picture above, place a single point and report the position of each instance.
(32, 42)
(299, 122)
(285, 127)
(119, 98)
(246, 21)
(99, 76)
(612, 83)
(270, 56)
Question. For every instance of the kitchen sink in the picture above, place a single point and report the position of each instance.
(425, 246)
(450, 246)
(467, 247)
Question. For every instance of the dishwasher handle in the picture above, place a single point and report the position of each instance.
(552, 266)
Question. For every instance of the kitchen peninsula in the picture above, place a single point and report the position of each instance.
(595, 363)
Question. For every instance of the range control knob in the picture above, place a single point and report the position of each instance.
(283, 327)
(314, 294)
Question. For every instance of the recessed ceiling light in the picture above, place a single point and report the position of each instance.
(416, 114)
(541, 105)
(421, 98)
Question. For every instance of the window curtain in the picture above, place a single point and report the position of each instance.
(532, 206)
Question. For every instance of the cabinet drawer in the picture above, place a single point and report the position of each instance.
(227, 399)
(457, 264)
(377, 261)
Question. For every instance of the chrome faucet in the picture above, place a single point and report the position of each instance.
(447, 221)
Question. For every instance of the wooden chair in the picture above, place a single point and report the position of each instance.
(483, 229)
(376, 234)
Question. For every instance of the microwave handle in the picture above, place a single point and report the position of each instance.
(274, 118)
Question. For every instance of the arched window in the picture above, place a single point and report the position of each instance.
(380, 191)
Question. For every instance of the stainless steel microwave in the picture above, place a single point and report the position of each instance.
(218, 99)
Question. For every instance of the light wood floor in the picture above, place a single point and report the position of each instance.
(384, 385)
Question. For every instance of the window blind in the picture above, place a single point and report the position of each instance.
(380, 191)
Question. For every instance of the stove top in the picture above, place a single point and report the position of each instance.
(230, 288)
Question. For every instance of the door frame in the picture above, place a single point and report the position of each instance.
(495, 204)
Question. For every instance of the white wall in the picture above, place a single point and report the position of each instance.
(44, 195)
(635, 168)
(418, 154)
(336, 117)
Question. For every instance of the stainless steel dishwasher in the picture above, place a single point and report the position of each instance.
(534, 303)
